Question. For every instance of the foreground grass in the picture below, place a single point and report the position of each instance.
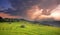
(30, 29)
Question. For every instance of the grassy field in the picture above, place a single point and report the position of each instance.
(30, 29)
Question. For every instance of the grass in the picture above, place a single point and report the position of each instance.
(30, 29)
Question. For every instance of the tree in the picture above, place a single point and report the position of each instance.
(1, 19)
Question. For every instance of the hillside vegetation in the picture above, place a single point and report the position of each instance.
(15, 28)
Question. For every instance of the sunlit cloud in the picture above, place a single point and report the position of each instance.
(55, 13)
(32, 9)
(38, 14)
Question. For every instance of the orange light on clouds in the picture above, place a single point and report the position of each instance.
(8, 16)
(36, 14)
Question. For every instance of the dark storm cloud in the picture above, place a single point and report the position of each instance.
(19, 7)
(22, 5)
(58, 1)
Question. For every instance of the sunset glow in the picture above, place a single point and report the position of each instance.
(36, 14)
(8, 16)
(30, 9)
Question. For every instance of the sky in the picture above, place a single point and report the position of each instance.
(5, 4)
(30, 9)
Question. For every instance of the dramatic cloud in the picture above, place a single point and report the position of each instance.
(31, 9)
(56, 13)
(22, 5)
(37, 14)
